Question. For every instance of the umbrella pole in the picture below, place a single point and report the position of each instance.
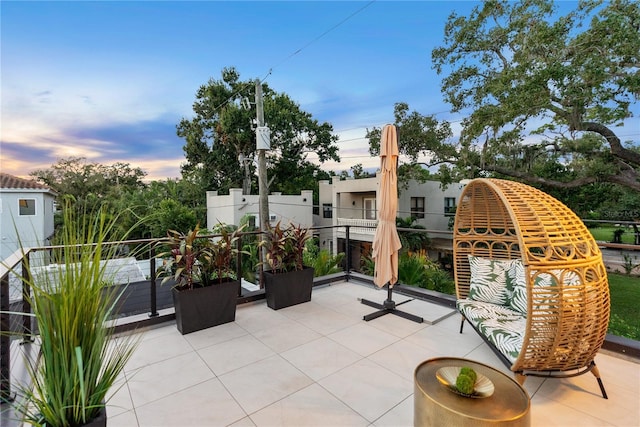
(389, 306)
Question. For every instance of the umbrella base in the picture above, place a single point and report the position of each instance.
(389, 307)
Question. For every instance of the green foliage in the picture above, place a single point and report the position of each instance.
(220, 133)
(172, 215)
(604, 233)
(412, 241)
(420, 136)
(164, 205)
(367, 265)
(524, 70)
(416, 269)
(285, 247)
(617, 235)
(197, 260)
(87, 184)
(79, 362)
(623, 327)
(625, 297)
(250, 248)
(321, 260)
(411, 271)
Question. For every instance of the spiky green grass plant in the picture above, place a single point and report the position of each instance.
(79, 359)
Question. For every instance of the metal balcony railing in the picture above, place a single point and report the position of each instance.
(148, 296)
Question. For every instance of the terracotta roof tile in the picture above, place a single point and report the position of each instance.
(13, 182)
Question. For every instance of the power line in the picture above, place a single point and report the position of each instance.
(318, 38)
(241, 89)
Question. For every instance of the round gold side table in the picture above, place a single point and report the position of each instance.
(436, 405)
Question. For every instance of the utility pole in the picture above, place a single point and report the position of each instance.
(262, 144)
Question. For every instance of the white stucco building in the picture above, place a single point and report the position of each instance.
(353, 202)
(231, 208)
(26, 214)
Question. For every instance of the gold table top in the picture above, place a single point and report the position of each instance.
(509, 402)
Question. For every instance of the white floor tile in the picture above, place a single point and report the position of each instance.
(363, 338)
(321, 364)
(124, 419)
(399, 416)
(311, 406)
(401, 358)
(264, 382)
(286, 336)
(549, 413)
(233, 354)
(215, 335)
(326, 321)
(368, 388)
(204, 404)
(165, 378)
(160, 347)
(321, 357)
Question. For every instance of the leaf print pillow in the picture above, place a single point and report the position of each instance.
(488, 282)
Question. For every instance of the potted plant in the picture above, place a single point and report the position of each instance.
(287, 281)
(74, 306)
(206, 288)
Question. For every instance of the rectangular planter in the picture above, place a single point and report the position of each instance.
(203, 308)
(287, 289)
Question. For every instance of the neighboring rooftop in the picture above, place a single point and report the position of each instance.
(15, 183)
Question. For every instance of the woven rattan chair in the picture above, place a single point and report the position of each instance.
(565, 324)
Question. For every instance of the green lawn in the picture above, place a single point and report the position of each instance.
(625, 299)
(605, 234)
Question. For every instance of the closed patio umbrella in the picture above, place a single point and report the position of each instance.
(386, 242)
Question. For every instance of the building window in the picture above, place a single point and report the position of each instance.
(449, 206)
(327, 210)
(27, 206)
(370, 208)
(417, 207)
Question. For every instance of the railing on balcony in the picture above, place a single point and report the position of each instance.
(142, 297)
(359, 229)
(155, 299)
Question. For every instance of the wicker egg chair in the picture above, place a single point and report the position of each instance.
(565, 324)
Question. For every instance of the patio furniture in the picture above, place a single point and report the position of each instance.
(530, 279)
(435, 405)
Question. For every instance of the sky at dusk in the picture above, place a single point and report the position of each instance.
(110, 81)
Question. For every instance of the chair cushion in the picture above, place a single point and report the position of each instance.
(488, 281)
(501, 326)
(543, 283)
(517, 285)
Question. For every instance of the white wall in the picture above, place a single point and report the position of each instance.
(347, 197)
(25, 230)
(434, 202)
(229, 209)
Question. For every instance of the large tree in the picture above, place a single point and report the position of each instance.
(418, 136)
(545, 92)
(89, 184)
(221, 142)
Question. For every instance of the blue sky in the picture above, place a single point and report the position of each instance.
(110, 80)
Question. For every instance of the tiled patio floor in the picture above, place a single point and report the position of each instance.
(320, 364)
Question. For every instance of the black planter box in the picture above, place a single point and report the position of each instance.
(287, 289)
(202, 308)
(100, 420)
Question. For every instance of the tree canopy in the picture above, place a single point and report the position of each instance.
(220, 140)
(89, 183)
(545, 92)
(418, 136)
